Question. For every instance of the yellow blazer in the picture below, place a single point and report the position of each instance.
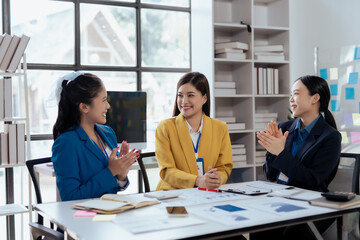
(176, 157)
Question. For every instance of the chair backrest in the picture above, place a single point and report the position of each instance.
(143, 170)
(39, 231)
(347, 176)
(30, 165)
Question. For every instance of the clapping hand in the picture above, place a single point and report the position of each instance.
(273, 139)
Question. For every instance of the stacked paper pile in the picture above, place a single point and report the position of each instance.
(239, 155)
(232, 124)
(11, 50)
(263, 118)
(225, 88)
(231, 50)
(271, 53)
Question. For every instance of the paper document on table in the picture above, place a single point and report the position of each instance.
(155, 223)
(253, 188)
(296, 194)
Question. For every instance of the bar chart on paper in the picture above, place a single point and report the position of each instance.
(341, 68)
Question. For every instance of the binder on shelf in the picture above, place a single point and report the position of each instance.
(20, 139)
(4, 148)
(227, 119)
(224, 85)
(269, 48)
(7, 97)
(224, 91)
(229, 55)
(18, 53)
(9, 53)
(4, 45)
(12, 143)
(2, 98)
(237, 45)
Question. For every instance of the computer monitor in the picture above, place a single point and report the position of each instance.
(127, 115)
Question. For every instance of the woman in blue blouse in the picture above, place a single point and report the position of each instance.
(85, 154)
(307, 154)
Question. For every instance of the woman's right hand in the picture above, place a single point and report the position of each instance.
(120, 165)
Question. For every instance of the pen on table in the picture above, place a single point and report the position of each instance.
(208, 189)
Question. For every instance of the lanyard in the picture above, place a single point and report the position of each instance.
(102, 146)
(197, 144)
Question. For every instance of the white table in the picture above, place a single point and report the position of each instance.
(201, 207)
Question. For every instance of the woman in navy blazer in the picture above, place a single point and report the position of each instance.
(307, 154)
(85, 154)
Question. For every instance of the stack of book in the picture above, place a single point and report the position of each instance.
(271, 53)
(263, 118)
(11, 50)
(232, 124)
(239, 155)
(260, 156)
(225, 88)
(267, 80)
(231, 50)
(5, 98)
(12, 144)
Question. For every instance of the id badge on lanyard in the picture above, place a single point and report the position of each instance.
(199, 161)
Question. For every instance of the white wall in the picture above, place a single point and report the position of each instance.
(323, 24)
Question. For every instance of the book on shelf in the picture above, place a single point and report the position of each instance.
(276, 81)
(239, 164)
(266, 114)
(269, 58)
(236, 126)
(323, 202)
(4, 45)
(224, 91)
(237, 45)
(227, 119)
(229, 50)
(238, 151)
(2, 98)
(4, 148)
(229, 55)
(9, 52)
(269, 80)
(239, 158)
(234, 146)
(114, 203)
(20, 139)
(269, 48)
(24, 40)
(260, 153)
(224, 85)
(265, 90)
(260, 160)
(269, 53)
(265, 119)
(7, 97)
(11, 129)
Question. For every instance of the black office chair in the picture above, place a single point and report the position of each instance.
(38, 230)
(143, 175)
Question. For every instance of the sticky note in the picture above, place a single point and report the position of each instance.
(334, 89)
(104, 218)
(335, 106)
(353, 77)
(355, 137)
(333, 73)
(323, 73)
(344, 138)
(357, 53)
(84, 213)
(349, 93)
(356, 119)
(348, 119)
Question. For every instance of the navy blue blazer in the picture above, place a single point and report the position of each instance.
(316, 161)
(81, 168)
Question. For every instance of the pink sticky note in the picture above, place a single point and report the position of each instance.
(355, 137)
(84, 213)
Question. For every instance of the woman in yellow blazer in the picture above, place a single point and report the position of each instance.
(192, 149)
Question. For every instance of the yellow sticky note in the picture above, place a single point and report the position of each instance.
(344, 137)
(334, 74)
(356, 119)
(104, 218)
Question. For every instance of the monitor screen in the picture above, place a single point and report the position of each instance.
(127, 115)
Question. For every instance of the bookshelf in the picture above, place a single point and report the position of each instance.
(19, 95)
(269, 23)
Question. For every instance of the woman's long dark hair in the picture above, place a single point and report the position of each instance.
(318, 85)
(83, 89)
(200, 82)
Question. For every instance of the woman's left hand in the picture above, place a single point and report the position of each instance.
(273, 144)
